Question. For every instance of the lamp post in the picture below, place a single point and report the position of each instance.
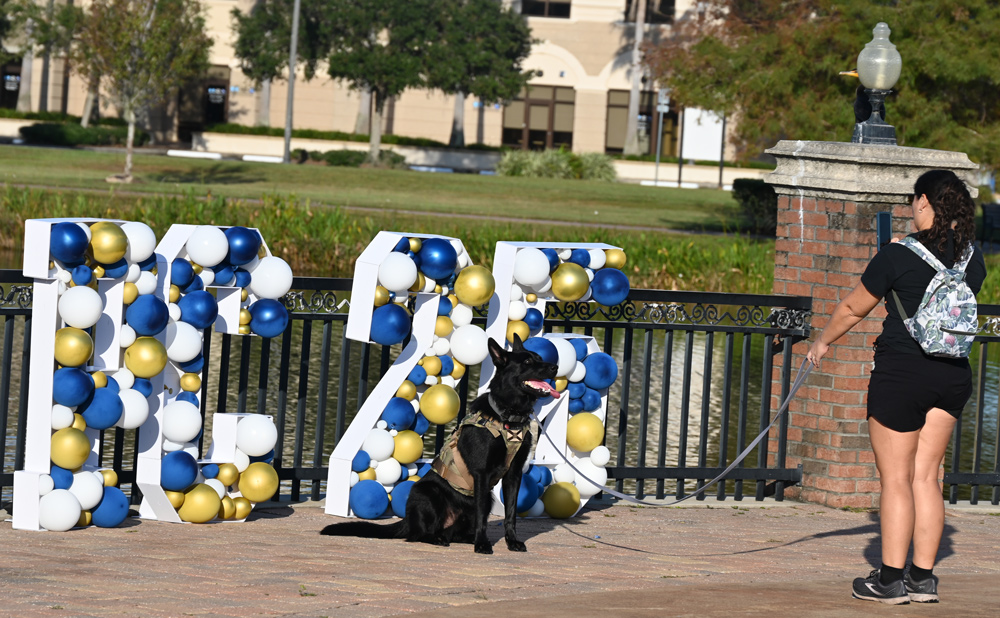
(879, 65)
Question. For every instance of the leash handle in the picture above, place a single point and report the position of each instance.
(800, 378)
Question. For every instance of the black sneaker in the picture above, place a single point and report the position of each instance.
(921, 591)
(871, 589)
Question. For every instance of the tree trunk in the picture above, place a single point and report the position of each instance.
(458, 122)
(91, 103)
(364, 119)
(24, 88)
(375, 139)
(632, 128)
(129, 140)
(264, 104)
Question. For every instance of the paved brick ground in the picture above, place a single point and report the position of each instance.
(721, 560)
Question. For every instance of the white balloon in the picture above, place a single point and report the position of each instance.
(590, 273)
(251, 265)
(442, 346)
(397, 272)
(86, 228)
(146, 284)
(382, 424)
(141, 241)
(217, 485)
(81, 307)
(181, 421)
(87, 489)
(600, 413)
(579, 372)
(373, 464)
(449, 381)
(355, 478)
(457, 244)
(531, 266)
(563, 474)
(256, 435)
(272, 278)
(207, 276)
(564, 254)
(127, 336)
(429, 285)
(544, 286)
(62, 417)
(431, 380)
(45, 484)
(65, 276)
(516, 310)
(388, 472)
(597, 476)
(586, 295)
(183, 342)
(516, 293)
(59, 510)
(597, 258)
(124, 378)
(461, 315)
(136, 408)
(174, 311)
(567, 355)
(379, 444)
(207, 245)
(241, 460)
(400, 296)
(469, 344)
(170, 446)
(600, 456)
(61, 288)
(536, 510)
(133, 273)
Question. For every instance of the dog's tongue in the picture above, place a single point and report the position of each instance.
(544, 386)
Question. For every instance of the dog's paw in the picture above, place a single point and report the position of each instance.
(484, 548)
(516, 545)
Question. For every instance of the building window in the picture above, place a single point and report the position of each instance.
(546, 8)
(649, 124)
(540, 118)
(657, 11)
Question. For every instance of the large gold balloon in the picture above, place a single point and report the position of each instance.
(108, 242)
(569, 281)
(440, 404)
(584, 432)
(475, 285)
(519, 328)
(444, 326)
(70, 448)
(190, 382)
(176, 498)
(381, 296)
(561, 500)
(228, 474)
(110, 478)
(614, 258)
(407, 390)
(146, 357)
(228, 508)
(243, 508)
(258, 482)
(73, 347)
(409, 446)
(201, 504)
(458, 371)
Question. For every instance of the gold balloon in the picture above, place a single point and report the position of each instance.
(201, 504)
(432, 365)
(561, 500)
(190, 382)
(78, 422)
(531, 298)
(518, 327)
(110, 478)
(258, 482)
(73, 347)
(154, 270)
(419, 284)
(584, 432)
(244, 295)
(440, 404)
(176, 498)
(409, 446)
(561, 384)
(413, 478)
(146, 357)
(415, 244)
(381, 296)
(475, 285)
(196, 268)
(243, 508)
(175, 293)
(244, 329)
(443, 327)
(86, 518)
(438, 289)
(458, 371)
(614, 258)
(98, 273)
(453, 300)
(569, 281)
(245, 316)
(130, 293)
(367, 475)
(69, 448)
(407, 390)
(228, 508)
(108, 242)
(228, 474)
(100, 379)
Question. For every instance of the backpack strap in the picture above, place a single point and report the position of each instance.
(917, 247)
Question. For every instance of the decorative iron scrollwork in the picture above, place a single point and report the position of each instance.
(317, 301)
(19, 295)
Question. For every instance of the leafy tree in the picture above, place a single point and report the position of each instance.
(480, 52)
(775, 63)
(44, 28)
(142, 50)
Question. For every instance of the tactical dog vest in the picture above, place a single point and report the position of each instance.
(450, 465)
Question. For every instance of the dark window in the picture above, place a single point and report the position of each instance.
(657, 11)
(540, 118)
(11, 85)
(649, 122)
(546, 8)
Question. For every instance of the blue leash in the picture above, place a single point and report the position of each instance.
(800, 378)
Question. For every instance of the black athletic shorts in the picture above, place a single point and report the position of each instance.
(904, 386)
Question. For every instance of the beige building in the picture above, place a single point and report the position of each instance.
(578, 99)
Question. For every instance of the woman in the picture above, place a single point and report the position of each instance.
(913, 399)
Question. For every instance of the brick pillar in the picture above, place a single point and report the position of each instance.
(828, 197)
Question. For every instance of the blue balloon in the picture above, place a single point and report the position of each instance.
(242, 278)
(188, 397)
(399, 414)
(244, 244)
(82, 275)
(71, 386)
(444, 307)
(400, 494)
(68, 242)
(541, 474)
(528, 494)
(438, 258)
(581, 257)
(181, 273)
(195, 365)
(534, 319)
(390, 324)
(368, 499)
(148, 264)
(575, 405)
(424, 469)
(147, 315)
(580, 345)
(225, 274)
(199, 309)
(268, 317)
(361, 462)
(544, 348)
(112, 510)
(576, 390)
(113, 385)
(402, 246)
(415, 257)
(144, 386)
(210, 471)
(602, 371)
(61, 477)
(102, 410)
(196, 284)
(417, 375)
(553, 256)
(421, 424)
(447, 365)
(591, 400)
(267, 457)
(117, 270)
(178, 471)
(609, 287)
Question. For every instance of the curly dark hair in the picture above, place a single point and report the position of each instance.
(953, 206)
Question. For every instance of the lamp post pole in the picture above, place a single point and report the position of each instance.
(292, 53)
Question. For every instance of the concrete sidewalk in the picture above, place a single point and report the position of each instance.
(717, 559)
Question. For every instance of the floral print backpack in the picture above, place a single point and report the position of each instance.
(946, 322)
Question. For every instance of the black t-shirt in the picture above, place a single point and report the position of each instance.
(899, 268)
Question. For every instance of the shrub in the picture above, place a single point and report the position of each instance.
(557, 164)
(72, 134)
(399, 140)
(758, 204)
(597, 166)
(346, 158)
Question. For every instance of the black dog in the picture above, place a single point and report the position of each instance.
(452, 501)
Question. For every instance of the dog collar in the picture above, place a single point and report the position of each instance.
(499, 413)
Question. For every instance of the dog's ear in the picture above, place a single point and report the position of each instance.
(497, 353)
(516, 344)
